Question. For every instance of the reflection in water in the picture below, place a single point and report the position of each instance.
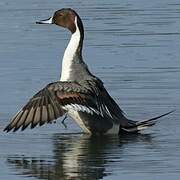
(76, 156)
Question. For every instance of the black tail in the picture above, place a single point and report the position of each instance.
(141, 125)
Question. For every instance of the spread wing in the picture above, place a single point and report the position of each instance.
(58, 98)
(51, 103)
(42, 107)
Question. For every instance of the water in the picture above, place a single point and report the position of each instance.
(133, 46)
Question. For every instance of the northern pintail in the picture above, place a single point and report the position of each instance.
(79, 93)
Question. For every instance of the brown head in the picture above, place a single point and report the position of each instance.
(65, 18)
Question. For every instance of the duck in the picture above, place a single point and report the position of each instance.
(78, 94)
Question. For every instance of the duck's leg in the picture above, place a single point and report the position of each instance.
(65, 117)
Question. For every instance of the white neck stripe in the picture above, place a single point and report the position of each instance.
(69, 54)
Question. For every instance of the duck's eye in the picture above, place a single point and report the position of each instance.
(60, 14)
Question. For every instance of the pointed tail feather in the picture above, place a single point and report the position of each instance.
(141, 125)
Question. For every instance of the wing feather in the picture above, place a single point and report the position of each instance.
(51, 113)
(57, 98)
(21, 120)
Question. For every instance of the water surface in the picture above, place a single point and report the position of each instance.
(133, 46)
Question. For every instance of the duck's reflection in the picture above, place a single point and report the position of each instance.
(76, 156)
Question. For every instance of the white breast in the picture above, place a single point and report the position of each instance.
(75, 115)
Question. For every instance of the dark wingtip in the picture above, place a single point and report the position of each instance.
(7, 129)
(33, 125)
(24, 127)
(15, 129)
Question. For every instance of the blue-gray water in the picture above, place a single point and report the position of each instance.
(134, 47)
